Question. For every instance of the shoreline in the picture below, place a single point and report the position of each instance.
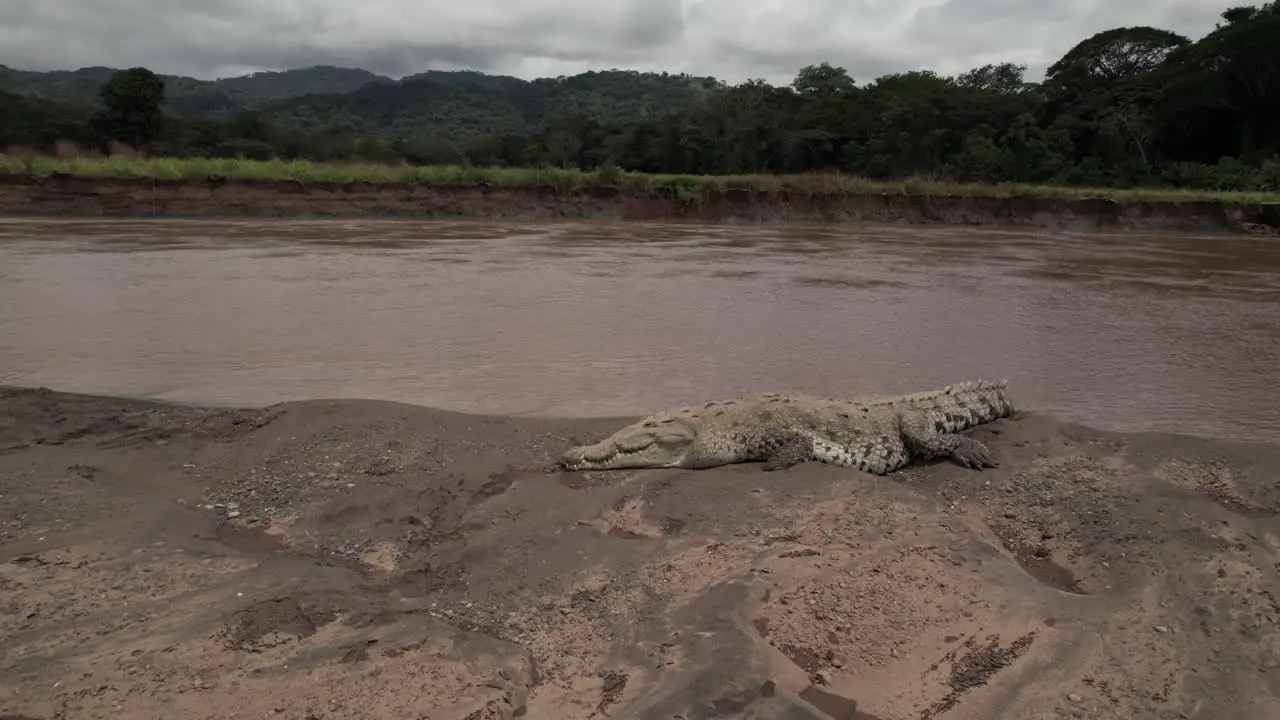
(82, 196)
(603, 423)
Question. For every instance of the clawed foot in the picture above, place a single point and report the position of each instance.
(974, 454)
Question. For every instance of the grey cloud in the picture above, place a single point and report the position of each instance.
(982, 31)
(782, 66)
(976, 12)
(653, 24)
(731, 39)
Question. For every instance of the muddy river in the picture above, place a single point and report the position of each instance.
(1125, 332)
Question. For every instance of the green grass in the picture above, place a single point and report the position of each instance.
(690, 188)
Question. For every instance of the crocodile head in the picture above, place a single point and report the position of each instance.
(671, 442)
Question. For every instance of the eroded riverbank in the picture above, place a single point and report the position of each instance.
(74, 196)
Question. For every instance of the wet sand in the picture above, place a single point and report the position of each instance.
(368, 559)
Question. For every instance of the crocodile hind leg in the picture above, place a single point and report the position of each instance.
(929, 440)
(782, 449)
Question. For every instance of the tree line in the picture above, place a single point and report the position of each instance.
(1130, 106)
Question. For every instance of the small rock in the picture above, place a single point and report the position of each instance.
(233, 514)
(822, 677)
(1162, 629)
(1075, 698)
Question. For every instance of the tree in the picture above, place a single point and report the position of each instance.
(1221, 95)
(132, 98)
(1114, 55)
(1238, 15)
(823, 80)
(1002, 78)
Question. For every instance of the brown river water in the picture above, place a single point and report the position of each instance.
(1126, 332)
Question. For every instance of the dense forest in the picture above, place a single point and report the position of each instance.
(1125, 107)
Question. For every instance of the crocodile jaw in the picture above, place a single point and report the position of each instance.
(633, 447)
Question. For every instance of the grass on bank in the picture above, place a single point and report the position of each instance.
(686, 187)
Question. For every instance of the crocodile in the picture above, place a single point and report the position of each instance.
(878, 435)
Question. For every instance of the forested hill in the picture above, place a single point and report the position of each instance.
(1129, 106)
(454, 106)
(446, 104)
(187, 96)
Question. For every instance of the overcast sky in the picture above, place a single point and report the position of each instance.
(730, 39)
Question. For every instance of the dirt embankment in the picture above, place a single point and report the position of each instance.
(64, 195)
(350, 559)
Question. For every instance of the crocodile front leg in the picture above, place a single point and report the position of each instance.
(783, 449)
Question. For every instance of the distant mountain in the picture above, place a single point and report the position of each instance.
(188, 96)
(455, 105)
(451, 105)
